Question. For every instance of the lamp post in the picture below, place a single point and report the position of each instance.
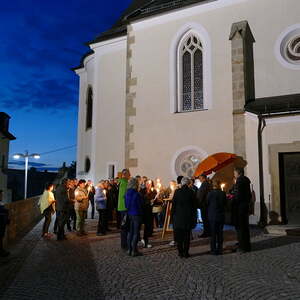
(26, 157)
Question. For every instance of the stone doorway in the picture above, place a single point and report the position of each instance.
(289, 169)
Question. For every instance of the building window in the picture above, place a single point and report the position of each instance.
(190, 79)
(187, 162)
(287, 47)
(87, 165)
(89, 108)
(111, 171)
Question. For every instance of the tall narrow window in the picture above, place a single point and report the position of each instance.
(111, 171)
(89, 108)
(191, 78)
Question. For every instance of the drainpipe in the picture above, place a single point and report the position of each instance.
(263, 220)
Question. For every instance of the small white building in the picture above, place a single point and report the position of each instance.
(176, 81)
(5, 138)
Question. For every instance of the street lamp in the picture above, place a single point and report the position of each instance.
(26, 157)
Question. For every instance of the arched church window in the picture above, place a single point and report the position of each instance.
(87, 165)
(89, 108)
(190, 74)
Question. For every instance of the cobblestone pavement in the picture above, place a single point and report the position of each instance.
(94, 268)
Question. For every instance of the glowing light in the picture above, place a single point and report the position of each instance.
(36, 156)
(17, 156)
(223, 186)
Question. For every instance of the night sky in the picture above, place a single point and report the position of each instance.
(40, 41)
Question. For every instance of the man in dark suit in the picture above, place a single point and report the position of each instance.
(202, 204)
(242, 199)
(184, 213)
(216, 215)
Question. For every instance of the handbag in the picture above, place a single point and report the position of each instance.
(125, 222)
(157, 209)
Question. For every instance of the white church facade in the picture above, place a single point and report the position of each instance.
(176, 81)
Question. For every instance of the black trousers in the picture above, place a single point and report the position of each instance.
(92, 201)
(243, 231)
(102, 222)
(124, 232)
(216, 239)
(148, 225)
(118, 219)
(205, 221)
(71, 218)
(47, 214)
(62, 218)
(134, 232)
(55, 228)
(183, 238)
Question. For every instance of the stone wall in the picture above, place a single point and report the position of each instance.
(23, 216)
(131, 83)
(243, 87)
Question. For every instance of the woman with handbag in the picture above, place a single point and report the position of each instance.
(47, 208)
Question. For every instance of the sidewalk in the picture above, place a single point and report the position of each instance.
(94, 268)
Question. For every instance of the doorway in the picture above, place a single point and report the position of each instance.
(289, 168)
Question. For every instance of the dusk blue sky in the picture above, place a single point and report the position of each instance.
(40, 42)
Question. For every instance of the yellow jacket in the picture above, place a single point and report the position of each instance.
(46, 200)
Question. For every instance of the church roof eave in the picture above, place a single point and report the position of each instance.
(139, 9)
(277, 105)
(158, 7)
(109, 34)
(81, 65)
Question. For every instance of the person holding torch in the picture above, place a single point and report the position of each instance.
(101, 205)
(81, 207)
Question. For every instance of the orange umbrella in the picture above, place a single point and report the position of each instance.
(215, 162)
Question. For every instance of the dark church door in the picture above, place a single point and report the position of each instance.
(290, 187)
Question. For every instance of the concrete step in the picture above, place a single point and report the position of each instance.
(290, 230)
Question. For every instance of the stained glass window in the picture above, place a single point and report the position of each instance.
(186, 82)
(192, 74)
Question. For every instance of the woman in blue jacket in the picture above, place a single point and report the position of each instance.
(134, 203)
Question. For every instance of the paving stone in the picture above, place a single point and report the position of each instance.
(94, 268)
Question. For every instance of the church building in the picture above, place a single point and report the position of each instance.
(174, 81)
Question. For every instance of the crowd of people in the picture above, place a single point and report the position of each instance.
(71, 200)
(135, 201)
(138, 198)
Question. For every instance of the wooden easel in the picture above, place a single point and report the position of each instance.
(167, 218)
